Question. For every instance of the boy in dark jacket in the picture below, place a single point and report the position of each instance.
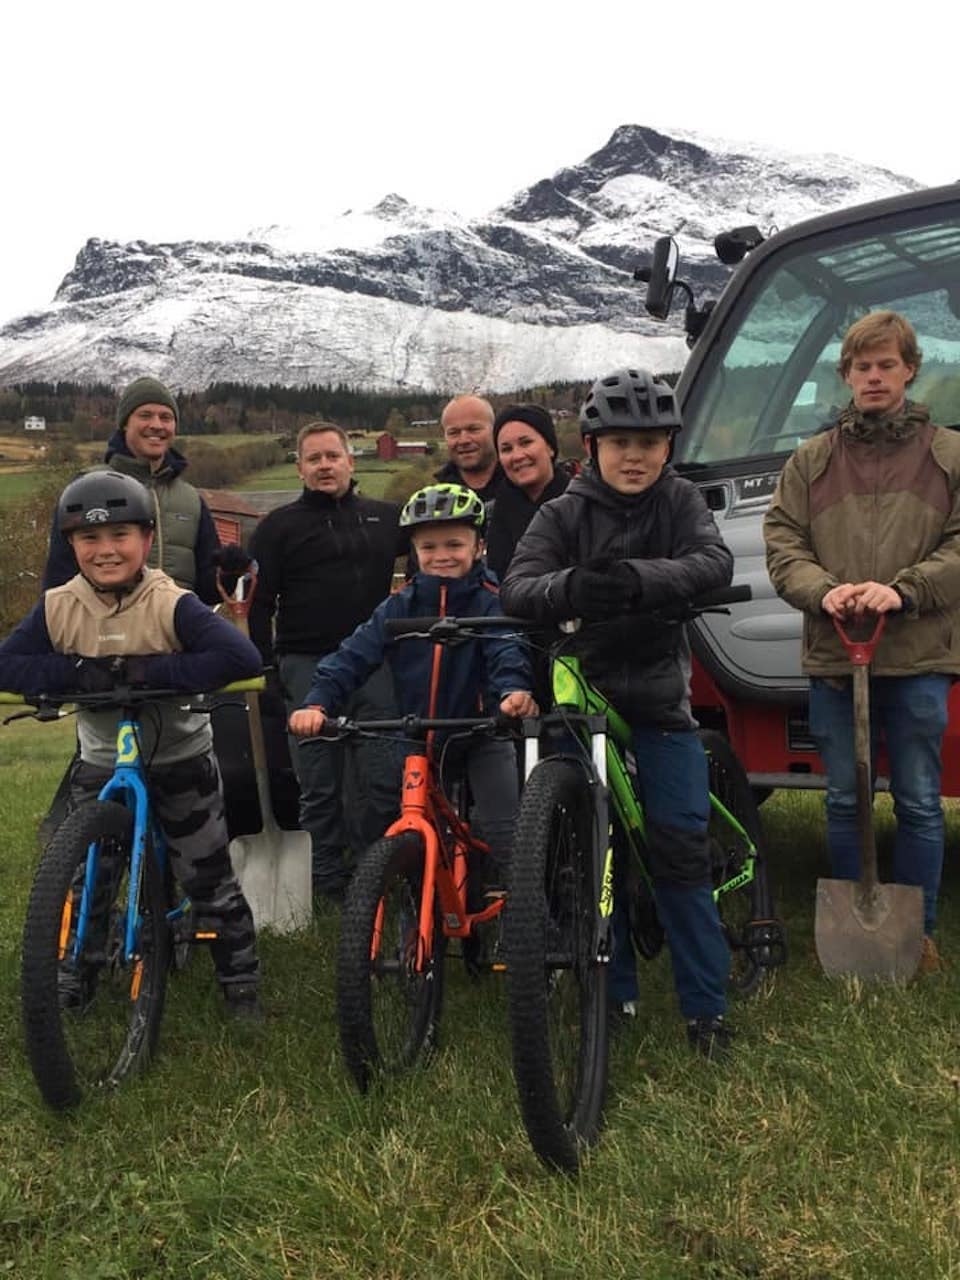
(630, 534)
(118, 621)
(439, 681)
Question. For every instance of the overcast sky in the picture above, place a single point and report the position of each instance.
(179, 121)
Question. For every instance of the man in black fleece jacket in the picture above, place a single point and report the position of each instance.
(325, 563)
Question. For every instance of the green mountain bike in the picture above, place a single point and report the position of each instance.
(557, 928)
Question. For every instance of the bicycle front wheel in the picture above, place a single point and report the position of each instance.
(388, 992)
(90, 1018)
(556, 989)
(741, 877)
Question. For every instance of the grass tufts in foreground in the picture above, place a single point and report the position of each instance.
(827, 1148)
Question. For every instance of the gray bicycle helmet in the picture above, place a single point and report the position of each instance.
(104, 497)
(443, 503)
(630, 400)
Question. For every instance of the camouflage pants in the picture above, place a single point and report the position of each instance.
(187, 800)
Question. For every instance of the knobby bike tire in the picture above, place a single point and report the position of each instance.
(91, 1020)
(387, 1011)
(752, 903)
(556, 990)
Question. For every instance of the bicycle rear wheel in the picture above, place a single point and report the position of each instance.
(556, 989)
(746, 906)
(89, 1017)
(388, 1004)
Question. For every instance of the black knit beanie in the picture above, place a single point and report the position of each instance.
(534, 415)
(144, 391)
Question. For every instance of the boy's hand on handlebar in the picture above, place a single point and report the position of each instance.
(602, 588)
(520, 704)
(99, 675)
(307, 722)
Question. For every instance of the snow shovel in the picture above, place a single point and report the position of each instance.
(871, 930)
(272, 865)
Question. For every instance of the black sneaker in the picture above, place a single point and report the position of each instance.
(76, 988)
(709, 1036)
(621, 1014)
(242, 1002)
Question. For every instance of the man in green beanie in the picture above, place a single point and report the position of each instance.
(142, 446)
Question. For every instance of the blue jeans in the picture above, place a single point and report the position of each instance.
(672, 782)
(911, 712)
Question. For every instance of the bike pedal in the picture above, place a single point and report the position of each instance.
(766, 942)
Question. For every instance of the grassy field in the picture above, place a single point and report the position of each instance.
(371, 474)
(826, 1148)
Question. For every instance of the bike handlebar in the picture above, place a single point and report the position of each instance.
(342, 726)
(124, 695)
(449, 628)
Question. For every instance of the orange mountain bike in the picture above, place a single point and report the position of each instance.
(409, 895)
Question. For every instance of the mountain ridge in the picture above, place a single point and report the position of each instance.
(538, 290)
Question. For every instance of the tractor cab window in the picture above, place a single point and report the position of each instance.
(770, 379)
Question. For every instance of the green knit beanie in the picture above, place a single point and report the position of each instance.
(144, 391)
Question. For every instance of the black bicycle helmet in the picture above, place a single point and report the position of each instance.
(630, 400)
(442, 504)
(104, 497)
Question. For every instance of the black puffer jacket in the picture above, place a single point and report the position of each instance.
(672, 543)
(511, 515)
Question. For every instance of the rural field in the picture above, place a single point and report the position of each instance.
(20, 474)
(826, 1148)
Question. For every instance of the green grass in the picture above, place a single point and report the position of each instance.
(372, 477)
(826, 1148)
(19, 484)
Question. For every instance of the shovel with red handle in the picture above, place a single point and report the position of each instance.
(272, 865)
(864, 928)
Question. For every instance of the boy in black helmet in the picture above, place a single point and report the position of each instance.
(630, 534)
(118, 621)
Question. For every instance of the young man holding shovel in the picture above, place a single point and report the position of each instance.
(865, 520)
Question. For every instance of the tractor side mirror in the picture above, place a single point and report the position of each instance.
(663, 277)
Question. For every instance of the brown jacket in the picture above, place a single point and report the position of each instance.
(873, 499)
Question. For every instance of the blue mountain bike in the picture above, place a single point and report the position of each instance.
(104, 922)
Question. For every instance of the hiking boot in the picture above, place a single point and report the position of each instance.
(709, 1036)
(930, 961)
(242, 1002)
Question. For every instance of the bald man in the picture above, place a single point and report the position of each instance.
(467, 424)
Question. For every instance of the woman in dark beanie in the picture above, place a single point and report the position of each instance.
(526, 442)
(142, 447)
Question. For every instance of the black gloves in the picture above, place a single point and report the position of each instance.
(99, 675)
(231, 559)
(603, 589)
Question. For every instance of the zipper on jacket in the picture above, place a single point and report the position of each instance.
(435, 671)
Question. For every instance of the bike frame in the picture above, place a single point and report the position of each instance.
(127, 783)
(425, 809)
(611, 752)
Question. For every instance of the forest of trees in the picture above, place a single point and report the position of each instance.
(87, 412)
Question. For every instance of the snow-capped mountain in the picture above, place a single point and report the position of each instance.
(538, 290)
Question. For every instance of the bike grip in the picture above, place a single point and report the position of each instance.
(255, 684)
(723, 595)
(408, 626)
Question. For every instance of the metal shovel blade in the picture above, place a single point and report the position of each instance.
(272, 865)
(875, 936)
